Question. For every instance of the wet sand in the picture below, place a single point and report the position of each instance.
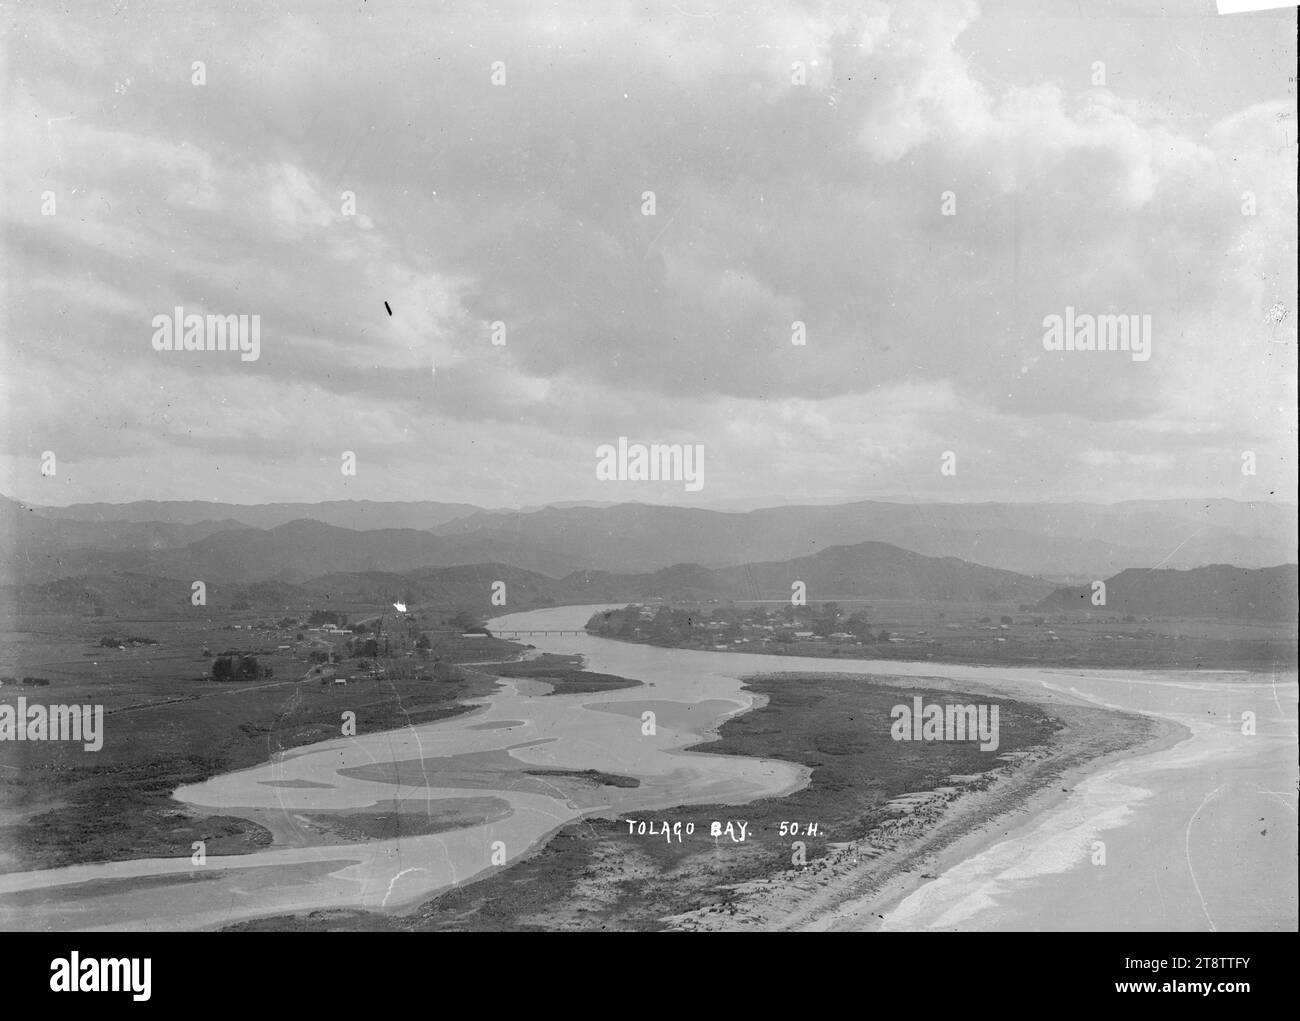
(1176, 818)
(1195, 831)
(421, 767)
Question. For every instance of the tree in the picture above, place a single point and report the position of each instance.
(463, 620)
(858, 626)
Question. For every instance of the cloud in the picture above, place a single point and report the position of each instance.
(776, 202)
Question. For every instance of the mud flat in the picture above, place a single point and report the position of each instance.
(1196, 833)
(903, 830)
(859, 881)
(625, 873)
(810, 750)
(547, 767)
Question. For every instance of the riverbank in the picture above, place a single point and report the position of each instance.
(61, 808)
(856, 886)
(873, 811)
(971, 636)
(864, 902)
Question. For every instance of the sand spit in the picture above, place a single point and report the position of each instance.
(859, 880)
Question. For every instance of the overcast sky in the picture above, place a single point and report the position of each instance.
(522, 203)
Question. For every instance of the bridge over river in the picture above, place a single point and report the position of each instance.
(531, 634)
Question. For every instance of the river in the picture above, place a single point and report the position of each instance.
(1181, 826)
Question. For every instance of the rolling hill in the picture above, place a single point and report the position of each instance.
(1219, 591)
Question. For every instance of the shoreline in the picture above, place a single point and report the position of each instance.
(974, 836)
(592, 874)
(864, 878)
(1208, 655)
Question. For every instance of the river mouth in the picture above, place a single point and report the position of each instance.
(500, 777)
(533, 754)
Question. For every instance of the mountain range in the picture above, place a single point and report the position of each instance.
(1220, 590)
(1066, 542)
(1193, 558)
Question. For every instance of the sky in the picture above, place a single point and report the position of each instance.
(919, 184)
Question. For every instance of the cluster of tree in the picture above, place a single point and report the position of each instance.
(464, 621)
(676, 625)
(31, 682)
(366, 647)
(666, 625)
(319, 618)
(233, 667)
(109, 642)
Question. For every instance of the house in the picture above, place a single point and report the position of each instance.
(803, 634)
(476, 634)
(340, 680)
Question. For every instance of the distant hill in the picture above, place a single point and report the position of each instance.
(1067, 541)
(126, 593)
(1221, 591)
(877, 570)
(360, 515)
(301, 550)
(865, 571)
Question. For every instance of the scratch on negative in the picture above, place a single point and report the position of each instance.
(1187, 853)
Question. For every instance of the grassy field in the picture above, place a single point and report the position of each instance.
(563, 673)
(166, 724)
(974, 633)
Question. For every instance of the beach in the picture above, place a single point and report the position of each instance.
(1011, 851)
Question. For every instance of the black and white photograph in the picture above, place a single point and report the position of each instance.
(592, 466)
